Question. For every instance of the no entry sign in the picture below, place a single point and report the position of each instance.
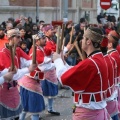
(105, 4)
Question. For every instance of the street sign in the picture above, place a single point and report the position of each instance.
(105, 4)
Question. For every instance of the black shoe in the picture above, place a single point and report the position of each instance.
(41, 118)
(54, 112)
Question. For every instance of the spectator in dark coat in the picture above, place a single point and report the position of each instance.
(23, 46)
(99, 17)
(78, 26)
(22, 34)
(34, 29)
(71, 59)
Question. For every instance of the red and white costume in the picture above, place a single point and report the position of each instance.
(50, 44)
(10, 98)
(112, 103)
(31, 83)
(116, 58)
(44, 64)
(89, 79)
(2, 72)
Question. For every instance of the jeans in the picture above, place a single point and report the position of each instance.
(115, 117)
(35, 117)
(71, 60)
(50, 104)
(23, 114)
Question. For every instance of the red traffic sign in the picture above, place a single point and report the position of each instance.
(105, 4)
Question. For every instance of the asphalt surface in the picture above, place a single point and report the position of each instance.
(62, 103)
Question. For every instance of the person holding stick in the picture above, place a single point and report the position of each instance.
(113, 39)
(112, 103)
(51, 83)
(9, 95)
(88, 78)
(31, 91)
(70, 38)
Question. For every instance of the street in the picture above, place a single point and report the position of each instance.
(63, 104)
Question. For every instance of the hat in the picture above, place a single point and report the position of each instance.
(13, 32)
(48, 27)
(38, 36)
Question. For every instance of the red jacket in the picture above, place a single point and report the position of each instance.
(50, 44)
(88, 78)
(116, 58)
(110, 67)
(40, 54)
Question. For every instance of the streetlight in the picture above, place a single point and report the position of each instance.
(37, 11)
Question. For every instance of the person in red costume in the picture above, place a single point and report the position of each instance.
(30, 84)
(89, 78)
(113, 38)
(112, 103)
(9, 95)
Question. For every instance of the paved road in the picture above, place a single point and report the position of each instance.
(63, 104)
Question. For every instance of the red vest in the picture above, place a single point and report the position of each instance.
(40, 54)
(88, 79)
(116, 58)
(50, 44)
(110, 67)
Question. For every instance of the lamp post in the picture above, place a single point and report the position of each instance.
(65, 8)
(37, 11)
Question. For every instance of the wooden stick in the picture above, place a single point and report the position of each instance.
(14, 50)
(78, 50)
(62, 37)
(58, 40)
(34, 52)
(12, 58)
(63, 44)
(73, 45)
(71, 34)
(84, 29)
(83, 52)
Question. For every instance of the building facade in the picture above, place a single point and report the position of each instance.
(49, 9)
